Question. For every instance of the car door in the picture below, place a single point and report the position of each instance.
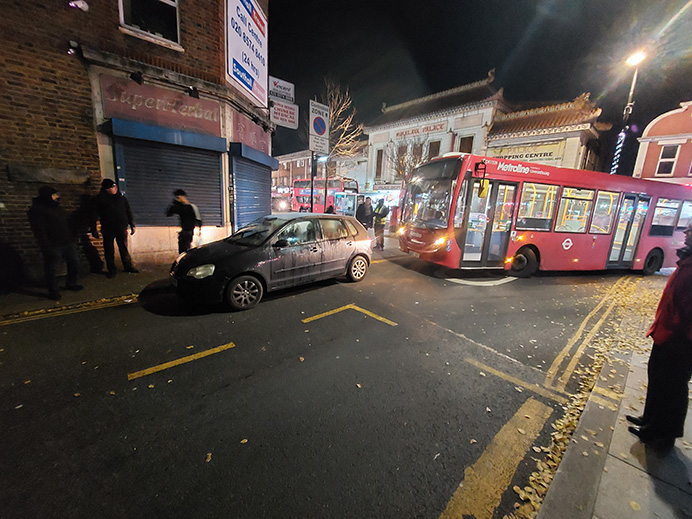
(337, 247)
(296, 254)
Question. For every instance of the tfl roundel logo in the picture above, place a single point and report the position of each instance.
(567, 244)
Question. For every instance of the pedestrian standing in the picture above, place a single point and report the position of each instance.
(189, 219)
(380, 219)
(56, 239)
(113, 209)
(364, 213)
(670, 363)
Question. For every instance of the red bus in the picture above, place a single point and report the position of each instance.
(466, 211)
(301, 192)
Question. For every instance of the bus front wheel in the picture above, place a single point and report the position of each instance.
(524, 264)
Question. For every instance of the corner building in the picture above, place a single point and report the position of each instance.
(153, 100)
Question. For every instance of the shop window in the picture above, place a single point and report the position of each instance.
(666, 163)
(537, 206)
(466, 144)
(604, 212)
(156, 18)
(433, 149)
(685, 215)
(665, 213)
(574, 211)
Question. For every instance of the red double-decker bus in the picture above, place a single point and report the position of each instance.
(467, 211)
(301, 192)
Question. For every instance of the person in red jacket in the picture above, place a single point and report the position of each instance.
(670, 363)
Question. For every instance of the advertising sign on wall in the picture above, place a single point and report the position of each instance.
(284, 114)
(280, 89)
(246, 48)
(549, 153)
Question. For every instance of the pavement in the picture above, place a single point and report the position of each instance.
(605, 473)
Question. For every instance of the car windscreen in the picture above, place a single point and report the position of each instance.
(256, 232)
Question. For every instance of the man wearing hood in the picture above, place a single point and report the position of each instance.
(670, 363)
(113, 209)
(57, 241)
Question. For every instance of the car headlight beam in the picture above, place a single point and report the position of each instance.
(201, 271)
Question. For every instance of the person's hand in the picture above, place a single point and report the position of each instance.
(132, 229)
(95, 234)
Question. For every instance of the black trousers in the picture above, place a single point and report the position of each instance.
(120, 237)
(669, 372)
(184, 240)
(51, 259)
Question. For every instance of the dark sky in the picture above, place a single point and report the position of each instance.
(542, 50)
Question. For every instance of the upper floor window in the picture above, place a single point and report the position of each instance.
(154, 20)
(666, 163)
(433, 149)
(466, 144)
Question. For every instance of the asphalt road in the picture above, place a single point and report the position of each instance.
(416, 393)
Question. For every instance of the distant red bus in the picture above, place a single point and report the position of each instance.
(301, 193)
(466, 211)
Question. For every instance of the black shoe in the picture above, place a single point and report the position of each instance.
(55, 296)
(111, 274)
(651, 437)
(636, 420)
(132, 270)
(74, 288)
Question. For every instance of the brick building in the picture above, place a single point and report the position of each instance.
(154, 100)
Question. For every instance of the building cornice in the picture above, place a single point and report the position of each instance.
(541, 132)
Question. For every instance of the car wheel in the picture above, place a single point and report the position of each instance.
(653, 262)
(357, 268)
(244, 292)
(525, 263)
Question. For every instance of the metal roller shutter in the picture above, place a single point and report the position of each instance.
(152, 171)
(252, 184)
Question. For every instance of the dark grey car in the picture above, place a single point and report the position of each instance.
(271, 253)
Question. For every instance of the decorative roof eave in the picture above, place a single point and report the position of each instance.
(458, 110)
(579, 103)
(445, 93)
(541, 131)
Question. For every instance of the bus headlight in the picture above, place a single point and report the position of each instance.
(440, 241)
(401, 230)
(202, 271)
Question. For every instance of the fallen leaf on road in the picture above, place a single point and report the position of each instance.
(302, 359)
(487, 410)
(111, 392)
(244, 440)
(635, 506)
(536, 449)
(77, 394)
(19, 406)
(473, 441)
(436, 456)
(521, 431)
(189, 347)
(519, 390)
(482, 374)
(208, 457)
(27, 381)
(151, 386)
(359, 386)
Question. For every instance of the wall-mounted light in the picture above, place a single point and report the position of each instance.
(137, 77)
(193, 92)
(74, 48)
(79, 4)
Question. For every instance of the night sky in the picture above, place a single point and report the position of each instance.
(542, 50)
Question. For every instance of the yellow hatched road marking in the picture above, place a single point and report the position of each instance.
(350, 307)
(555, 366)
(608, 393)
(183, 360)
(518, 382)
(485, 481)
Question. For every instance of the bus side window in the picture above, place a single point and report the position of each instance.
(537, 206)
(663, 223)
(575, 209)
(604, 212)
(685, 215)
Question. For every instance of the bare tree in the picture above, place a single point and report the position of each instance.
(405, 154)
(344, 132)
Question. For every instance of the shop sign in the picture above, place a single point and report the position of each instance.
(550, 154)
(125, 99)
(247, 132)
(421, 130)
(284, 114)
(246, 48)
(280, 89)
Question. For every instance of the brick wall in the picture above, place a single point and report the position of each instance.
(46, 112)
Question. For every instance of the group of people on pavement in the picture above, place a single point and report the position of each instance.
(373, 217)
(57, 238)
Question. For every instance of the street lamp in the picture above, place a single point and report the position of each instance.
(633, 61)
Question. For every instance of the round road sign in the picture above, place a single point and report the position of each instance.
(319, 125)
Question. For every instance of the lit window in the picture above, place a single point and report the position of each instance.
(604, 212)
(575, 207)
(158, 18)
(666, 164)
(685, 215)
(663, 222)
(537, 206)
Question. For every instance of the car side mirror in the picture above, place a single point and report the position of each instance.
(278, 244)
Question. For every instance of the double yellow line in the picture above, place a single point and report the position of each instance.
(608, 302)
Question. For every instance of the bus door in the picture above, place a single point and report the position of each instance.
(631, 216)
(489, 222)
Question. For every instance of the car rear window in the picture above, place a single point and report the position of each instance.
(351, 228)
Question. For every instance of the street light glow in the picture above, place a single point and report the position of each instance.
(636, 58)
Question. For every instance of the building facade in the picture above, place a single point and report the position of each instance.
(476, 118)
(153, 100)
(665, 147)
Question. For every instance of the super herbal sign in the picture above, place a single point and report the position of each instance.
(246, 48)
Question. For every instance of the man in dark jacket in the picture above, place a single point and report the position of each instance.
(670, 363)
(57, 241)
(364, 213)
(189, 219)
(113, 209)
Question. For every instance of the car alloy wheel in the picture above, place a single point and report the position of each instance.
(358, 268)
(244, 292)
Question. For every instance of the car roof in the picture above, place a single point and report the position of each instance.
(294, 216)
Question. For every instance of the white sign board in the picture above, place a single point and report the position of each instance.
(319, 128)
(280, 89)
(246, 48)
(319, 145)
(284, 114)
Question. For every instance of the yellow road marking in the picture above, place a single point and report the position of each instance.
(517, 382)
(183, 360)
(35, 315)
(555, 366)
(377, 261)
(607, 393)
(485, 481)
(602, 401)
(349, 307)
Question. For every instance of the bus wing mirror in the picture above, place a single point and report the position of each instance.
(483, 187)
